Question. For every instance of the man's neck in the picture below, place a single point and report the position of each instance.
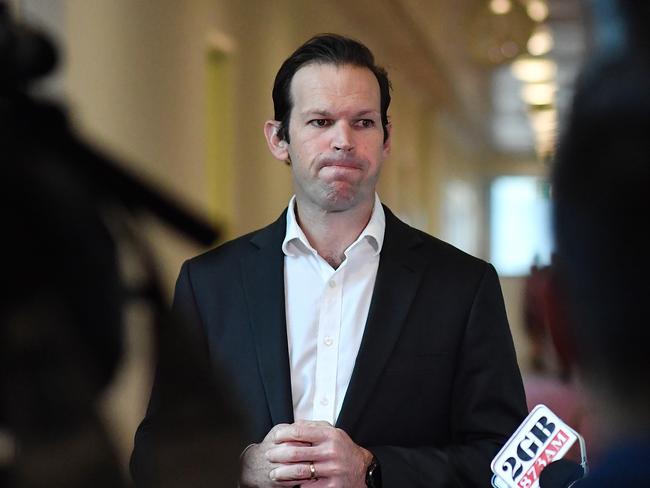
(331, 233)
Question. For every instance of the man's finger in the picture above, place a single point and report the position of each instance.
(291, 472)
(312, 422)
(285, 453)
(311, 432)
(294, 443)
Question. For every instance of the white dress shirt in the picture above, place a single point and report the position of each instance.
(326, 312)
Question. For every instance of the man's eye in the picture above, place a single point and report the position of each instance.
(365, 123)
(319, 122)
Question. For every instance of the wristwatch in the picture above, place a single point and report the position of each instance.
(373, 474)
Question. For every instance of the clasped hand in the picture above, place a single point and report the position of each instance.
(287, 453)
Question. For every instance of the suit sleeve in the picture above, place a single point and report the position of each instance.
(488, 403)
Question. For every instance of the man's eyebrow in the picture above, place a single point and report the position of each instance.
(322, 113)
(327, 113)
(367, 112)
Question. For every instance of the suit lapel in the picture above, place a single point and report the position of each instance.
(398, 277)
(263, 277)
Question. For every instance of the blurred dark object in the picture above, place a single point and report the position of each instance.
(601, 203)
(25, 56)
(561, 474)
(620, 26)
(66, 210)
(26, 53)
(600, 183)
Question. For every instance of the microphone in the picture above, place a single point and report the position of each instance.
(539, 443)
(561, 474)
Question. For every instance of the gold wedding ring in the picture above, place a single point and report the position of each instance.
(312, 471)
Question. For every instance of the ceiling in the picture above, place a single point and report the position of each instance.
(461, 53)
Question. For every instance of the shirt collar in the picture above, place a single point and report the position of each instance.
(295, 239)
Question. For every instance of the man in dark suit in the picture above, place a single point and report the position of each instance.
(365, 352)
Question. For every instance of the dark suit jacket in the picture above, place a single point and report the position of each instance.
(435, 390)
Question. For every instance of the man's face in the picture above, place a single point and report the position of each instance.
(337, 145)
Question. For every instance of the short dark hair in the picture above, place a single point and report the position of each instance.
(326, 49)
(600, 187)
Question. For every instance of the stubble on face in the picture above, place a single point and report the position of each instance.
(340, 185)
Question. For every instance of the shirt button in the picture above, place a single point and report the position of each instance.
(332, 284)
(328, 341)
(324, 401)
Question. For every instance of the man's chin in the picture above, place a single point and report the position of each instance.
(341, 199)
(338, 196)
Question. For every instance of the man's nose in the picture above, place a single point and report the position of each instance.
(342, 139)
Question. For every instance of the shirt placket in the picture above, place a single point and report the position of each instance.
(329, 327)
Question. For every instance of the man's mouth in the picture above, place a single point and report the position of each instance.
(341, 163)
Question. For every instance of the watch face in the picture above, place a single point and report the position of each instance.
(373, 475)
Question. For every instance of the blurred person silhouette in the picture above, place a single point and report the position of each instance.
(600, 185)
(536, 318)
(66, 211)
(550, 378)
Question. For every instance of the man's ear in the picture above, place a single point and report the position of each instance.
(278, 147)
(389, 140)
